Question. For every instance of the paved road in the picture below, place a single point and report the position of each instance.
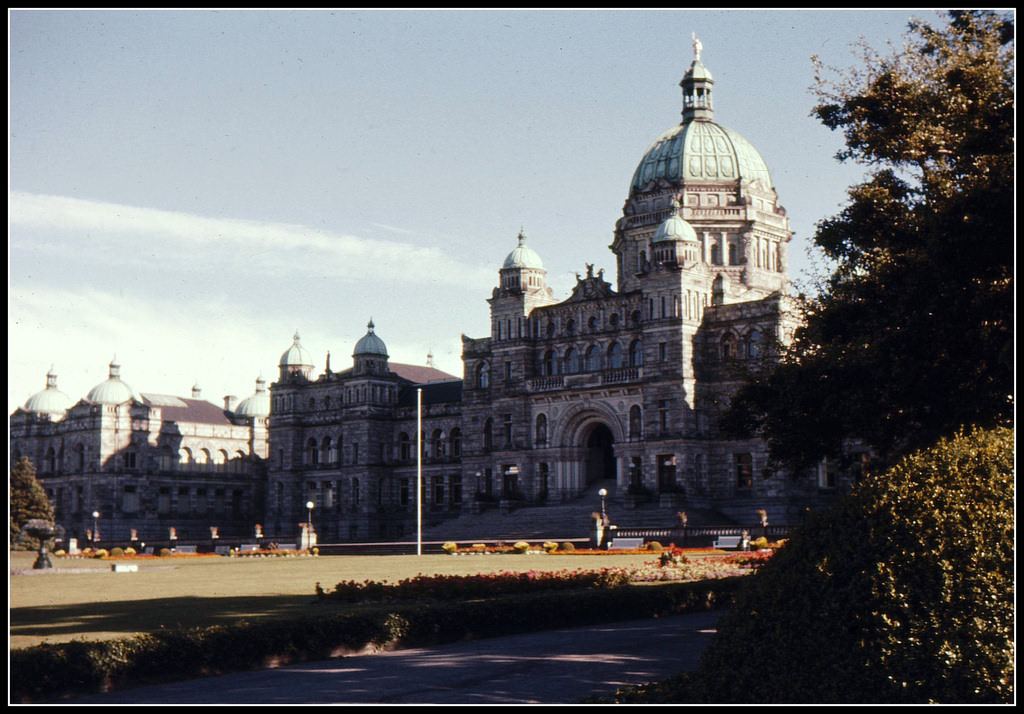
(556, 667)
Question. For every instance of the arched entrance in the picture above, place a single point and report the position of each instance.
(600, 460)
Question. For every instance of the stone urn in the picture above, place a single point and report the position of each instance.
(43, 531)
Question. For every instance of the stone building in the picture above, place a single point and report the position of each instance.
(145, 463)
(620, 384)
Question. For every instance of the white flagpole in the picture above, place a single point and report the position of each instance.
(419, 471)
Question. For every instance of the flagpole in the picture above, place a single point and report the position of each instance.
(419, 471)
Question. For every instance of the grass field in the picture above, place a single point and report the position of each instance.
(83, 599)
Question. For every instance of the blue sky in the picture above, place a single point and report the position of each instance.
(189, 188)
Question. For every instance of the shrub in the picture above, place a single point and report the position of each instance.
(550, 547)
(761, 542)
(164, 552)
(900, 593)
(654, 546)
(116, 551)
(100, 553)
(129, 551)
(567, 547)
(521, 546)
(59, 553)
(450, 548)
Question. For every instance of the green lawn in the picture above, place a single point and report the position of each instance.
(83, 599)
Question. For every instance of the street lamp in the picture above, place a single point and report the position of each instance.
(602, 493)
(309, 508)
(95, 527)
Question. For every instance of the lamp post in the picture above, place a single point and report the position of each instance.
(604, 520)
(309, 524)
(95, 527)
(602, 493)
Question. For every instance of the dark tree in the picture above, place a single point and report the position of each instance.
(911, 335)
(28, 499)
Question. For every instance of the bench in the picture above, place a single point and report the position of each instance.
(248, 547)
(123, 568)
(222, 549)
(185, 549)
(727, 542)
(625, 543)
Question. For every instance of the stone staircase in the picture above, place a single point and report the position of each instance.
(561, 521)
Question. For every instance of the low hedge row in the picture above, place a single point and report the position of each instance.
(51, 672)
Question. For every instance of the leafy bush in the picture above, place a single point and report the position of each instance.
(164, 552)
(567, 547)
(521, 546)
(116, 552)
(901, 593)
(129, 551)
(654, 546)
(100, 553)
(550, 546)
(450, 547)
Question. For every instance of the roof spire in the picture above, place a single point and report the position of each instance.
(696, 86)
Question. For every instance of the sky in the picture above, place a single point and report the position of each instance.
(188, 189)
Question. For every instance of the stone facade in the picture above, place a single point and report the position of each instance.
(619, 384)
(145, 463)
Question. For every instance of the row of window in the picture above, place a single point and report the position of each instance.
(375, 393)
(328, 451)
(187, 460)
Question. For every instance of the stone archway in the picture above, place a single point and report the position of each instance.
(600, 454)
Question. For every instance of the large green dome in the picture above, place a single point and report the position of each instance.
(700, 151)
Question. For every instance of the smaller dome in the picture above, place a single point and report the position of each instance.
(296, 355)
(257, 405)
(370, 344)
(675, 228)
(49, 401)
(112, 391)
(522, 256)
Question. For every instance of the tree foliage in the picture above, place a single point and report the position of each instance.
(901, 593)
(28, 499)
(912, 334)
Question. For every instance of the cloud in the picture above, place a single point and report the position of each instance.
(131, 235)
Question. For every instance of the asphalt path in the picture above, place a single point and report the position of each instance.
(553, 667)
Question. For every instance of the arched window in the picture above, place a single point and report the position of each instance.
(592, 359)
(329, 449)
(404, 447)
(616, 358)
(456, 442)
(51, 460)
(541, 430)
(550, 366)
(483, 376)
(220, 460)
(185, 457)
(203, 457)
(636, 354)
(80, 457)
(728, 346)
(570, 327)
(437, 444)
(636, 425)
(312, 453)
(572, 361)
(755, 344)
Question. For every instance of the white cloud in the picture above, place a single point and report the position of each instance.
(95, 230)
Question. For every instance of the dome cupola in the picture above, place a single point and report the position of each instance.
(523, 256)
(296, 360)
(51, 401)
(370, 343)
(112, 391)
(256, 405)
(371, 354)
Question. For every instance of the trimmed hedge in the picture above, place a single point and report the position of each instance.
(902, 593)
(51, 672)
